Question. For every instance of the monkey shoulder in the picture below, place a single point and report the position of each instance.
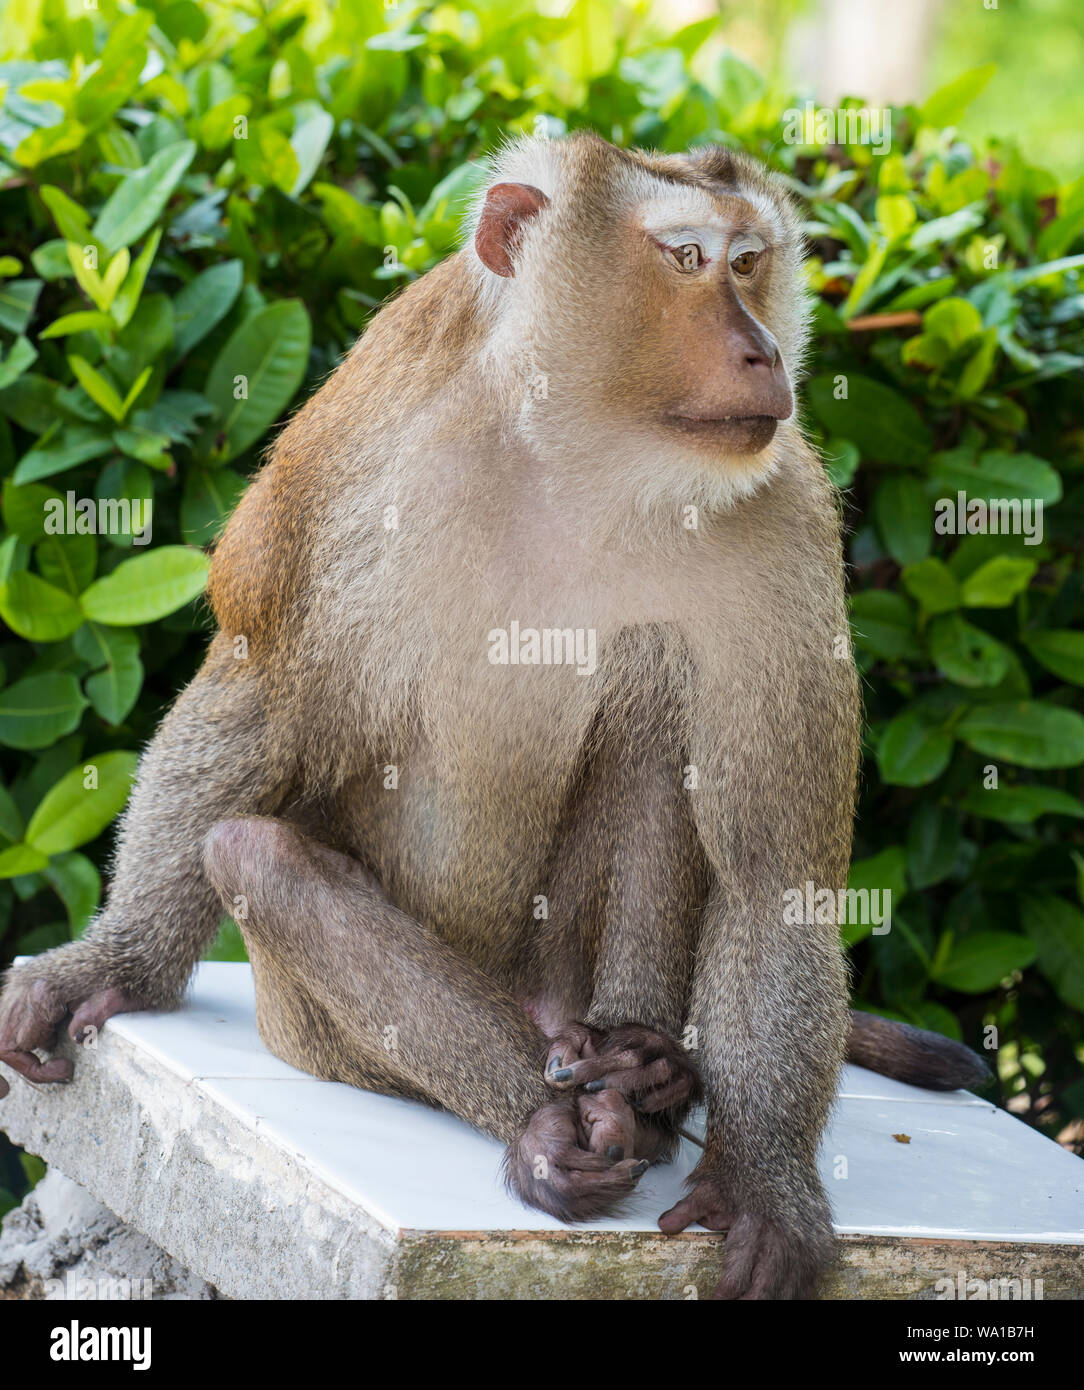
(259, 565)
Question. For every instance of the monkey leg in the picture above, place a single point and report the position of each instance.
(629, 839)
(352, 989)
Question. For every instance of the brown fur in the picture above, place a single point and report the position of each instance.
(570, 868)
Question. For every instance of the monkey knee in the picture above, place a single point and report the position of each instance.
(240, 855)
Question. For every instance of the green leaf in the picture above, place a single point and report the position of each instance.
(72, 221)
(35, 712)
(997, 475)
(138, 200)
(204, 303)
(948, 103)
(68, 562)
(100, 390)
(102, 289)
(1029, 734)
(902, 513)
(933, 584)
(127, 298)
(896, 215)
(210, 495)
(911, 752)
(943, 230)
(841, 460)
(881, 422)
(21, 859)
(979, 961)
(1018, 804)
(36, 610)
(67, 447)
(147, 587)
(84, 321)
(977, 371)
(883, 873)
(996, 584)
(24, 508)
(78, 884)
(17, 301)
(23, 355)
(933, 842)
(11, 822)
(965, 653)
(72, 812)
(1057, 929)
(50, 142)
(265, 360)
(119, 481)
(883, 623)
(1059, 650)
(312, 130)
(114, 690)
(952, 320)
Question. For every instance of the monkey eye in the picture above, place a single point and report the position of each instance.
(745, 262)
(687, 256)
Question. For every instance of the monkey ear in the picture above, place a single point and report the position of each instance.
(507, 207)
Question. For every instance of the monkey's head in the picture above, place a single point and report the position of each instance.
(650, 307)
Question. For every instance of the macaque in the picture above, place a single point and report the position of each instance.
(545, 702)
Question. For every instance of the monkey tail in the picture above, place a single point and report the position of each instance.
(913, 1055)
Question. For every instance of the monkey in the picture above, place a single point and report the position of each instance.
(472, 869)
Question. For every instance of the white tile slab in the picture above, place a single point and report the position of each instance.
(214, 1034)
(410, 1167)
(971, 1171)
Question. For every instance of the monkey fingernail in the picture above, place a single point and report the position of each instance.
(565, 1074)
(615, 1153)
(639, 1169)
(554, 1064)
(594, 1086)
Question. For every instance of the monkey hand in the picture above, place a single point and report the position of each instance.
(650, 1069)
(570, 1160)
(31, 1012)
(767, 1256)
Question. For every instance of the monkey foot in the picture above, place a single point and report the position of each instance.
(31, 1012)
(650, 1069)
(576, 1159)
(763, 1258)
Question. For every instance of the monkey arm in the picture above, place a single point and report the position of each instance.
(769, 996)
(211, 758)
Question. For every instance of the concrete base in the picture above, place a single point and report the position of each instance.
(266, 1183)
(63, 1245)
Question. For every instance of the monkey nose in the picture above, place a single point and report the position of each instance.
(763, 388)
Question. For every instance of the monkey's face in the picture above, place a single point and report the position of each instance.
(662, 301)
(699, 328)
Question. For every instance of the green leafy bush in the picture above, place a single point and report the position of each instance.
(198, 197)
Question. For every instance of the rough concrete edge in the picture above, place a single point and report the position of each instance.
(182, 1170)
(612, 1265)
(63, 1244)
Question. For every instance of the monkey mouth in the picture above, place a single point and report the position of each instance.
(739, 434)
